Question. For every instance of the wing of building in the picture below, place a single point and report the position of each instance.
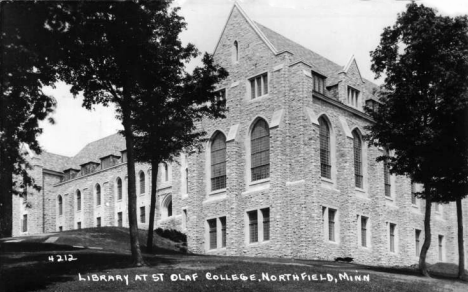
(285, 174)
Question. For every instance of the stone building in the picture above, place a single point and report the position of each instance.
(285, 174)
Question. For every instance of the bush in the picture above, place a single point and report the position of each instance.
(172, 234)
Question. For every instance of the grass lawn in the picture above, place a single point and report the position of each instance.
(26, 266)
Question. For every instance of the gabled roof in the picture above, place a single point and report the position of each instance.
(53, 161)
(93, 151)
(352, 60)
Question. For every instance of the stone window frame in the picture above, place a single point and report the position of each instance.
(24, 223)
(262, 183)
(119, 191)
(417, 241)
(360, 217)
(441, 256)
(261, 238)
(364, 162)
(396, 237)
(142, 214)
(165, 204)
(60, 205)
(332, 181)
(141, 183)
(235, 52)
(97, 195)
(249, 86)
(355, 99)
(217, 231)
(79, 200)
(209, 166)
(326, 224)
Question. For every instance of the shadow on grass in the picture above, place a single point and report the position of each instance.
(25, 266)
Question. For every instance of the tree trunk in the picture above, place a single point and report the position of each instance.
(461, 248)
(6, 196)
(154, 180)
(132, 199)
(427, 238)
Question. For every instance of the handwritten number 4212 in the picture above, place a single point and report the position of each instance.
(62, 258)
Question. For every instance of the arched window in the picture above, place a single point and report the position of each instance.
(142, 182)
(218, 162)
(260, 151)
(119, 188)
(357, 159)
(325, 158)
(60, 205)
(78, 200)
(166, 171)
(167, 207)
(98, 195)
(235, 52)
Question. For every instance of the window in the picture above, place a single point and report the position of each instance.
(25, 223)
(166, 171)
(235, 52)
(60, 228)
(353, 97)
(325, 161)
(60, 205)
(98, 222)
(78, 225)
(186, 180)
(266, 223)
(358, 178)
(388, 186)
(119, 188)
(253, 226)
(184, 219)
(392, 237)
(417, 243)
(119, 219)
(167, 207)
(364, 231)
(223, 231)
(78, 200)
(259, 86)
(260, 151)
(220, 98)
(318, 83)
(441, 247)
(330, 224)
(142, 215)
(218, 162)
(437, 207)
(213, 235)
(142, 182)
(124, 156)
(98, 195)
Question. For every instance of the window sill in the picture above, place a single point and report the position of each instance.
(328, 184)
(259, 98)
(217, 192)
(214, 199)
(216, 250)
(258, 185)
(332, 242)
(253, 244)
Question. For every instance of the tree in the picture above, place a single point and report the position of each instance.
(27, 63)
(165, 123)
(424, 101)
(119, 52)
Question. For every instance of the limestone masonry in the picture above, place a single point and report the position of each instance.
(285, 174)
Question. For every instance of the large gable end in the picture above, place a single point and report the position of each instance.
(237, 9)
(352, 68)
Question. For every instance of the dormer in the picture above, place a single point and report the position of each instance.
(123, 156)
(70, 173)
(89, 167)
(318, 82)
(109, 161)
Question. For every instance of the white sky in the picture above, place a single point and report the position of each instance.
(335, 29)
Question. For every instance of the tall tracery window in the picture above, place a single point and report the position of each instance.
(142, 182)
(60, 205)
(358, 177)
(260, 151)
(325, 158)
(78, 200)
(119, 188)
(98, 195)
(218, 162)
